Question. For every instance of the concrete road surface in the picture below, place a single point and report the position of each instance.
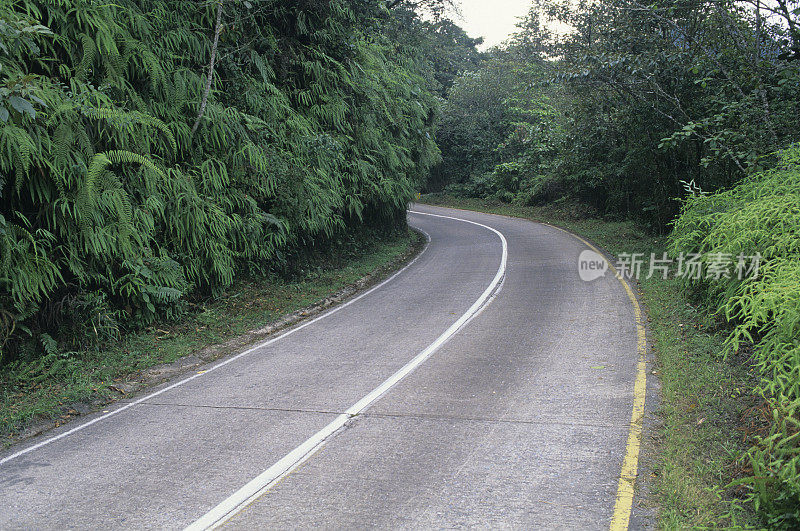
(484, 385)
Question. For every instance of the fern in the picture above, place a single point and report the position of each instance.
(761, 215)
(89, 55)
(120, 119)
(107, 192)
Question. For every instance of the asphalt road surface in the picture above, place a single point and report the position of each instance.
(485, 385)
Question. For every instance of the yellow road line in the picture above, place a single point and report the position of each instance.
(623, 505)
(627, 477)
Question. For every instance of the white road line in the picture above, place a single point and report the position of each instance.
(271, 476)
(213, 368)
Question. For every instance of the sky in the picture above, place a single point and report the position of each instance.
(494, 20)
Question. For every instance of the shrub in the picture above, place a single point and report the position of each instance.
(477, 186)
(760, 217)
(116, 181)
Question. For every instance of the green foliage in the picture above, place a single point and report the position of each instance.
(761, 216)
(473, 122)
(635, 100)
(775, 483)
(500, 120)
(476, 187)
(316, 123)
(665, 92)
(446, 46)
(495, 123)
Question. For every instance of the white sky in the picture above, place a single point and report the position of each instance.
(494, 20)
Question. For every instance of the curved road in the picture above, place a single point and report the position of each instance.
(484, 385)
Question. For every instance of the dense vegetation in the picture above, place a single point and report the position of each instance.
(684, 116)
(619, 111)
(759, 216)
(152, 151)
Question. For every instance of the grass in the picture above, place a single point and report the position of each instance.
(703, 427)
(705, 403)
(81, 383)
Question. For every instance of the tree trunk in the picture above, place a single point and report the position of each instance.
(211, 64)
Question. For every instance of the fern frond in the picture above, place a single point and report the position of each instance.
(89, 55)
(123, 119)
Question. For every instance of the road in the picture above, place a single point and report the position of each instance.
(484, 385)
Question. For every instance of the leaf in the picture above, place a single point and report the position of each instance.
(22, 106)
(3, 113)
(38, 28)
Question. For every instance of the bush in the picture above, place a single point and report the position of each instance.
(477, 186)
(116, 181)
(760, 217)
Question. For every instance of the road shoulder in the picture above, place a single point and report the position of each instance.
(244, 316)
(695, 424)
